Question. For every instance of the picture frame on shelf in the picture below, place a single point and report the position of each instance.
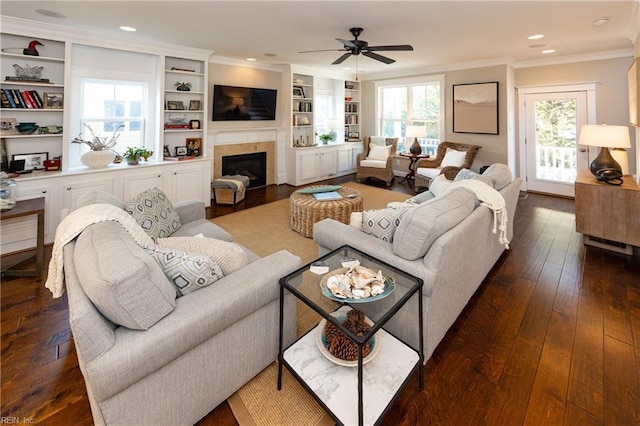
(298, 92)
(194, 146)
(354, 135)
(8, 126)
(32, 161)
(166, 152)
(53, 100)
(194, 124)
(475, 108)
(194, 105)
(175, 105)
(181, 151)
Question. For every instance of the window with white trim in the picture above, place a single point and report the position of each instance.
(411, 102)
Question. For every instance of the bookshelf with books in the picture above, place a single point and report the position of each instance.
(32, 94)
(352, 111)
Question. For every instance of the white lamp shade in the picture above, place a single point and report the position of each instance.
(605, 136)
(416, 132)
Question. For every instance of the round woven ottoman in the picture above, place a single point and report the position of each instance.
(305, 210)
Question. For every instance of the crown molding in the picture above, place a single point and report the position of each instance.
(595, 56)
(225, 60)
(440, 69)
(28, 28)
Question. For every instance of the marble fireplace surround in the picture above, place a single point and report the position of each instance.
(222, 150)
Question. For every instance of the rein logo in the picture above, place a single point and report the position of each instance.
(16, 420)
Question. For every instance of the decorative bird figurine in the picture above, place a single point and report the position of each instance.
(31, 50)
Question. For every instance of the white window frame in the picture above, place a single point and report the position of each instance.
(408, 83)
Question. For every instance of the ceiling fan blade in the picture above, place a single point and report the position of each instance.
(341, 59)
(323, 50)
(395, 47)
(347, 43)
(378, 57)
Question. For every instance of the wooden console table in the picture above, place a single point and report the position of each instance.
(608, 212)
(28, 208)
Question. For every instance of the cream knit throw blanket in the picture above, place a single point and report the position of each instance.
(74, 224)
(491, 199)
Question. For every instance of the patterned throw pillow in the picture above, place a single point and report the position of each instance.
(470, 174)
(230, 256)
(383, 223)
(187, 272)
(153, 211)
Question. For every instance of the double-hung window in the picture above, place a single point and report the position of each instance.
(411, 102)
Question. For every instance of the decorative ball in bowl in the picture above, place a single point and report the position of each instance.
(27, 128)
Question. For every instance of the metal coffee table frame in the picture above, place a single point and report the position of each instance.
(411, 286)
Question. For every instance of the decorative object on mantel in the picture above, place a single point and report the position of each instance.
(28, 73)
(31, 50)
(416, 132)
(101, 153)
(183, 87)
(328, 137)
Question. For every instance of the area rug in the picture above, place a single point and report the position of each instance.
(265, 230)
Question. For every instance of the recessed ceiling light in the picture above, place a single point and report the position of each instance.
(600, 21)
(251, 59)
(549, 51)
(535, 36)
(130, 29)
(346, 68)
(50, 13)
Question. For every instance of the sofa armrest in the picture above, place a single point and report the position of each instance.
(198, 317)
(190, 210)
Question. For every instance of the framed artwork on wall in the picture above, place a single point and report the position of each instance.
(475, 108)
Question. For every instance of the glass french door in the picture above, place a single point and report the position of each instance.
(553, 156)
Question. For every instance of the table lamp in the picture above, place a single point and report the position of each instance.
(605, 137)
(415, 132)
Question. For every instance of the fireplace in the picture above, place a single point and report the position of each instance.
(253, 165)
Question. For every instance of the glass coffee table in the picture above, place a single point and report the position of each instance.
(359, 389)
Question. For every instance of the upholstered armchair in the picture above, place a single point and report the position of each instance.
(447, 162)
(375, 160)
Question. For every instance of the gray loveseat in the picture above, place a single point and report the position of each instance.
(183, 366)
(457, 258)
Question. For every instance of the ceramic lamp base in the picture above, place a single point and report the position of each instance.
(97, 159)
(415, 147)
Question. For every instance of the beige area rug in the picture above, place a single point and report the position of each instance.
(265, 230)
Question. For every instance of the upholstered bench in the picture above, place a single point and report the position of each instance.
(229, 189)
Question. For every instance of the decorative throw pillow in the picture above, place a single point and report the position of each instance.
(188, 272)
(469, 174)
(453, 157)
(355, 220)
(377, 152)
(230, 256)
(382, 223)
(500, 175)
(438, 185)
(153, 211)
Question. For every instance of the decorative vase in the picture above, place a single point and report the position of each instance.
(133, 161)
(97, 159)
(415, 147)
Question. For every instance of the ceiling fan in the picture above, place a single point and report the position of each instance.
(356, 47)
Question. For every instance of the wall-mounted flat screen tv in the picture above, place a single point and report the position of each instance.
(232, 103)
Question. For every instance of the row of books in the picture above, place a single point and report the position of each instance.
(13, 98)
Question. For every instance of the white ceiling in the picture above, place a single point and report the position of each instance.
(443, 33)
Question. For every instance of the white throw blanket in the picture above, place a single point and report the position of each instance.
(74, 224)
(489, 198)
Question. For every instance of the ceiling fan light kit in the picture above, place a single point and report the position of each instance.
(355, 47)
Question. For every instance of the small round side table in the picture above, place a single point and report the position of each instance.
(413, 158)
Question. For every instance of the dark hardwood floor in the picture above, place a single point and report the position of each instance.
(552, 337)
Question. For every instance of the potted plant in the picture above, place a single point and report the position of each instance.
(102, 152)
(133, 155)
(327, 137)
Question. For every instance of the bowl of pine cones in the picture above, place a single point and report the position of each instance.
(337, 347)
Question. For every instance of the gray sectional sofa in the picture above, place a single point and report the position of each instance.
(210, 343)
(447, 241)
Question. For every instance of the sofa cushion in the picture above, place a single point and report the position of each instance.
(154, 212)
(230, 256)
(96, 197)
(438, 185)
(500, 175)
(382, 223)
(378, 164)
(421, 197)
(120, 278)
(424, 224)
(470, 174)
(453, 157)
(188, 272)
